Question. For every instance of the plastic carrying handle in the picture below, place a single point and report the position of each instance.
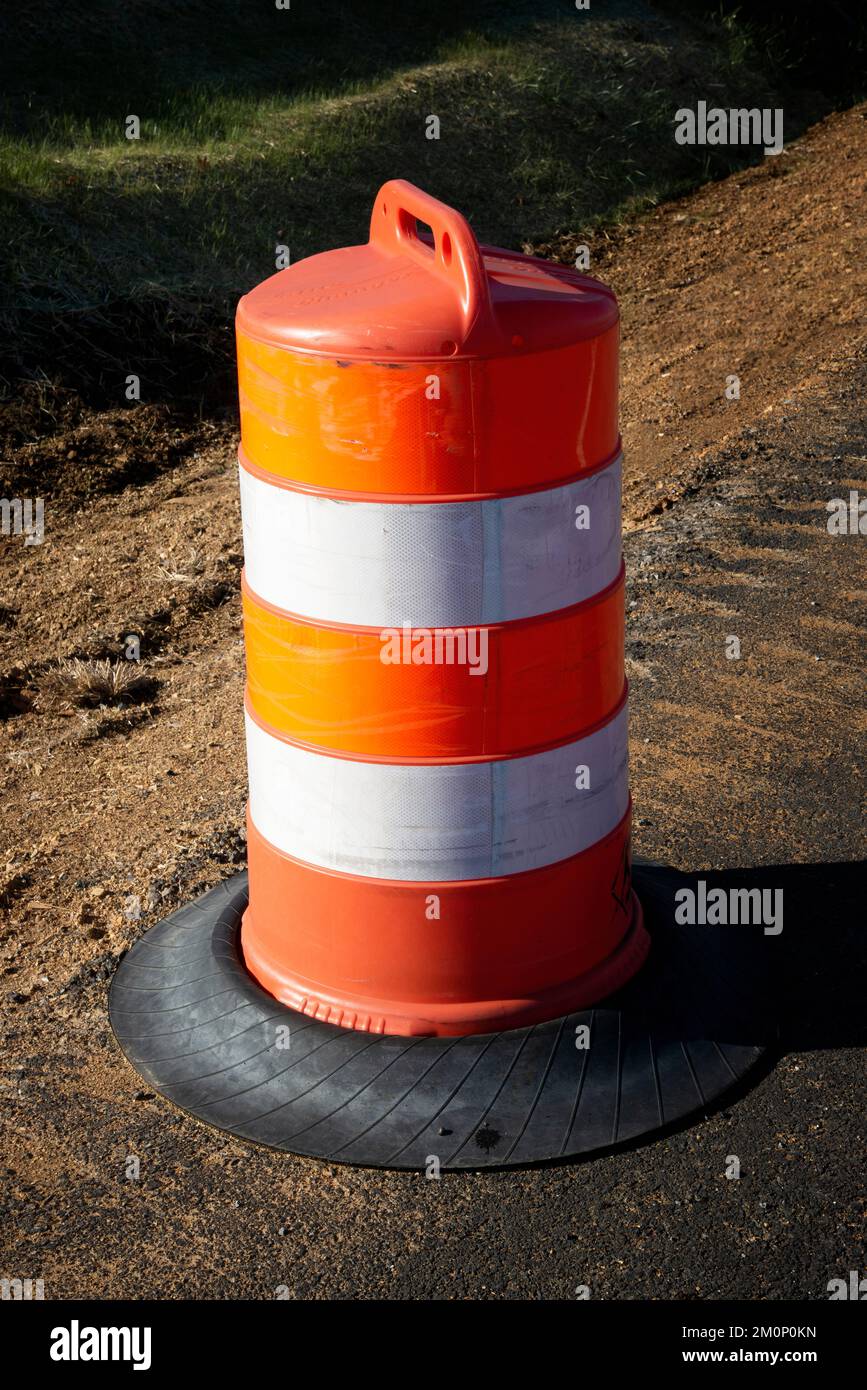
(454, 256)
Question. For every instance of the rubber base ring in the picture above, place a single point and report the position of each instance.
(204, 1034)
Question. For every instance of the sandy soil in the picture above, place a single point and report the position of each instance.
(112, 816)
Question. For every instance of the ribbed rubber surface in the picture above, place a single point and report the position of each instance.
(202, 1032)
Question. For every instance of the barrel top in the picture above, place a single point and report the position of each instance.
(423, 288)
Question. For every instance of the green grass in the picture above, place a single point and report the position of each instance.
(256, 129)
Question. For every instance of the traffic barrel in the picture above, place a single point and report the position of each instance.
(433, 605)
(436, 713)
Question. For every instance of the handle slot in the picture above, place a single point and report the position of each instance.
(407, 221)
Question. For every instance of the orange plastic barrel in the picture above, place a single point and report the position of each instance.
(433, 614)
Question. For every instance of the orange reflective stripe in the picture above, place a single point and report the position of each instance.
(548, 679)
(429, 429)
(445, 958)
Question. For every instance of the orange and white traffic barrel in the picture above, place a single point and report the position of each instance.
(436, 709)
(439, 894)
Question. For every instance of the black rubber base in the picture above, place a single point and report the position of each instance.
(202, 1031)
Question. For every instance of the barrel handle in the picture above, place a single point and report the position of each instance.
(455, 254)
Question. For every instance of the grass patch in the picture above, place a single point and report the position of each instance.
(89, 684)
(262, 127)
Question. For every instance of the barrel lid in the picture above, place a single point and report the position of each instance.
(410, 294)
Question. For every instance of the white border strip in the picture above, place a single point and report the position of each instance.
(428, 822)
(431, 564)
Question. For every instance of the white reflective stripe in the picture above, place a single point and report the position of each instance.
(436, 822)
(431, 564)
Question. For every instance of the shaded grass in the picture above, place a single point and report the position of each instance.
(127, 257)
(193, 67)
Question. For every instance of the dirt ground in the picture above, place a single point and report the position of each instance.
(114, 815)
